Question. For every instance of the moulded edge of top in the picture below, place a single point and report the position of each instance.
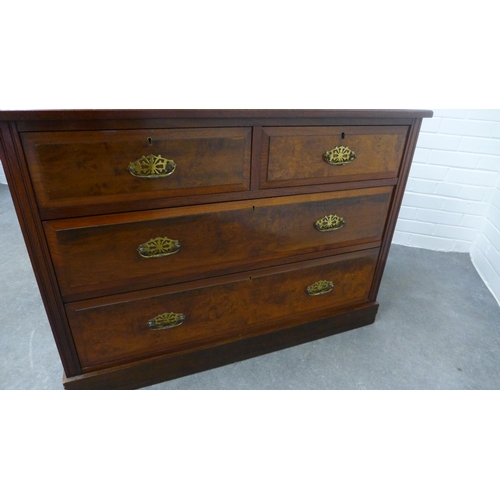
(107, 114)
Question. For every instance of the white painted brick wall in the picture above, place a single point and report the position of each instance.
(452, 200)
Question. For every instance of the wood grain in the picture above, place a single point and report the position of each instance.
(166, 367)
(294, 156)
(85, 168)
(115, 329)
(98, 255)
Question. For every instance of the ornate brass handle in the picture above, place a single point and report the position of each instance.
(152, 167)
(329, 223)
(166, 320)
(158, 247)
(341, 155)
(320, 287)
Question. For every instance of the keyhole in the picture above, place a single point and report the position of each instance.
(343, 135)
(150, 141)
(253, 208)
(250, 278)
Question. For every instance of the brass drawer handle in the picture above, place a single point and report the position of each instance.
(166, 320)
(152, 167)
(329, 223)
(320, 287)
(158, 247)
(341, 155)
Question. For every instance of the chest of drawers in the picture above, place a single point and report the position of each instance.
(167, 242)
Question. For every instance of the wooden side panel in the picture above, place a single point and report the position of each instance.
(100, 254)
(31, 226)
(88, 168)
(116, 328)
(396, 204)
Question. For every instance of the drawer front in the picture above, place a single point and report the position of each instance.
(113, 254)
(77, 168)
(295, 156)
(131, 325)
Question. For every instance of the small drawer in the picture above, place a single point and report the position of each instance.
(86, 168)
(121, 328)
(299, 156)
(113, 254)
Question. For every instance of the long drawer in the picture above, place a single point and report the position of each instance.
(298, 156)
(86, 168)
(115, 329)
(113, 254)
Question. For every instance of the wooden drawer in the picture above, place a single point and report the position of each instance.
(296, 156)
(103, 254)
(85, 168)
(123, 327)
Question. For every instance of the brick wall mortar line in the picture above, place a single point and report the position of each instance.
(437, 238)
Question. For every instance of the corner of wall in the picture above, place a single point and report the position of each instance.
(485, 251)
(452, 200)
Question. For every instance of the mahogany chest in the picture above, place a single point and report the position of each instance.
(167, 242)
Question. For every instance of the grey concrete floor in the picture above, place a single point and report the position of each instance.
(438, 327)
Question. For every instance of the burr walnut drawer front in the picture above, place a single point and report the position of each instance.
(296, 156)
(114, 254)
(81, 168)
(122, 327)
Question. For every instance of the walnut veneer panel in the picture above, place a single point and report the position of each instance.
(81, 168)
(294, 155)
(118, 330)
(100, 254)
